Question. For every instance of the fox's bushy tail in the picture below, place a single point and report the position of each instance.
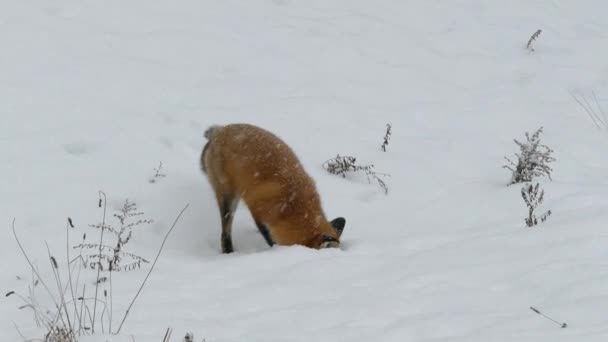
(209, 134)
(211, 131)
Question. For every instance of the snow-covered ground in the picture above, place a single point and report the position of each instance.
(96, 93)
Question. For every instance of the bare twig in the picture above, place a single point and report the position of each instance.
(57, 276)
(533, 38)
(600, 120)
(586, 110)
(103, 223)
(533, 198)
(82, 325)
(599, 107)
(387, 137)
(563, 325)
(67, 248)
(157, 173)
(19, 331)
(151, 268)
(39, 278)
(168, 335)
(111, 305)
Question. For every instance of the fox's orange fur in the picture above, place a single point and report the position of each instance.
(247, 162)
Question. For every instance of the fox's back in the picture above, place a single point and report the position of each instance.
(259, 166)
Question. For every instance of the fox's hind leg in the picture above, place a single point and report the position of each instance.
(228, 205)
(227, 200)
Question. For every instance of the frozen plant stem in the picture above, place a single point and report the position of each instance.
(67, 247)
(111, 305)
(563, 325)
(532, 39)
(157, 173)
(387, 137)
(39, 278)
(55, 268)
(103, 225)
(151, 269)
(600, 120)
(533, 199)
(58, 306)
(167, 337)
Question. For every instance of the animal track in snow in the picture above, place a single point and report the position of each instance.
(79, 148)
(166, 141)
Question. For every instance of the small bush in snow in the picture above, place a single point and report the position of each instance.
(532, 39)
(532, 161)
(387, 137)
(77, 308)
(345, 165)
(534, 199)
(158, 173)
(341, 165)
(111, 255)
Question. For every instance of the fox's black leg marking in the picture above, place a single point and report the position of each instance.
(227, 243)
(227, 209)
(265, 232)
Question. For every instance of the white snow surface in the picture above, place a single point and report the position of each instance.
(96, 93)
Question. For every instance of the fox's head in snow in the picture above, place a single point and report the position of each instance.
(330, 241)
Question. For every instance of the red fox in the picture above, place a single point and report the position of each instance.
(247, 162)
